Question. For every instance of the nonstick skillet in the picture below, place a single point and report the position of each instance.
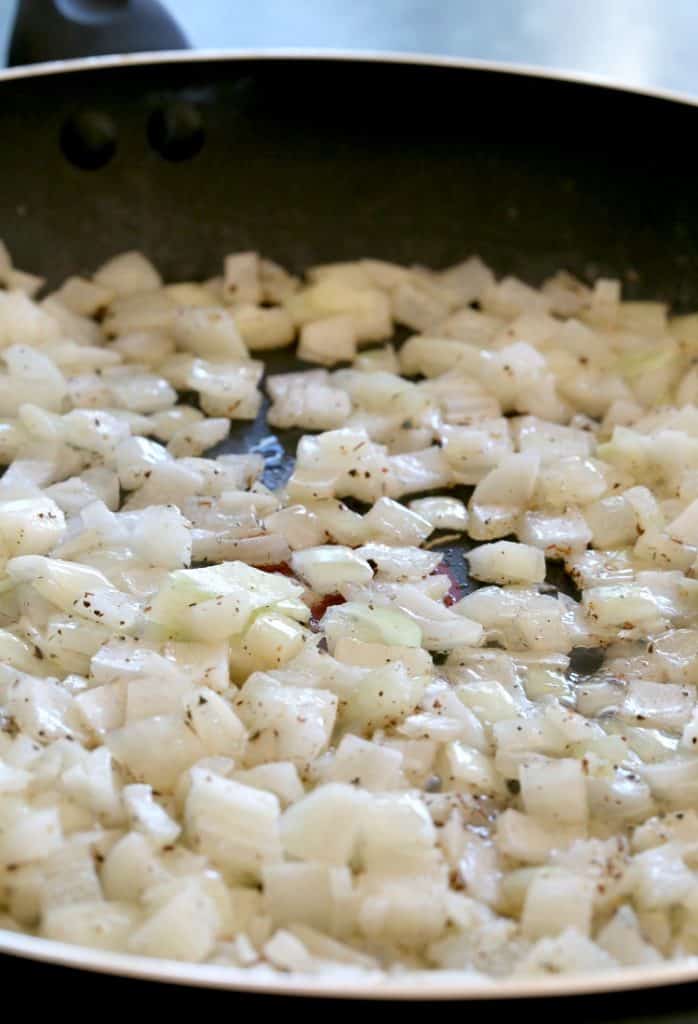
(310, 158)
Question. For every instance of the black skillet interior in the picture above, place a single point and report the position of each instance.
(315, 160)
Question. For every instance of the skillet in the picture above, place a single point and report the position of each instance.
(319, 157)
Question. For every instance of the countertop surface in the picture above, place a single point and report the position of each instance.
(647, 43)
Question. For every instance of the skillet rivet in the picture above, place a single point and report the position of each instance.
(88, 139)
(175, 131)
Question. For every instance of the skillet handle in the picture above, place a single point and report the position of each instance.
(60, 29)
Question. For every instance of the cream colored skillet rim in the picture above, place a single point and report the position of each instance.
(413, 985)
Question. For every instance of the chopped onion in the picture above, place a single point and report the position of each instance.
(247, 723)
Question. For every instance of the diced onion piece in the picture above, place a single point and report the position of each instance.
(443, 513)
(235, 826)
(554, 790)
(371, 625)
(128, 272)
(286, 723)
(328, 567)
(212, 603)
(505, 562)
(621, 606)
(502, 496)
(400, 563)
(372, 655)
(30, 525)
(368, 308)
(685, 527)
(328, 341)
(325, 825)
(558, 535)
(556, 900)
(211, 333)
(83, 297)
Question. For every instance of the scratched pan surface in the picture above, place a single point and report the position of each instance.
(313, 159)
